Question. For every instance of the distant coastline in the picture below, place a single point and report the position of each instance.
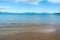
(27, 13)
(32, 13)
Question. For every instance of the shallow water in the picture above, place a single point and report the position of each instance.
(10, 32)
(33, 19)
(7, 19)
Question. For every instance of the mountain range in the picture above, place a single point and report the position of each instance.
(32, 13)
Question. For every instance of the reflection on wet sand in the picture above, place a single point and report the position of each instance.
(47, 32)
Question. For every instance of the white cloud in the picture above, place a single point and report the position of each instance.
(29, 1)
(24, 1)
(5, 0)
(54, 1)
(5, 7)
(20, 10)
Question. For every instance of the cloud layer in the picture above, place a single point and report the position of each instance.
(28, 7)
(36, 2)
(31, 1)
(24, 1)
(6, 7)
(54, 1)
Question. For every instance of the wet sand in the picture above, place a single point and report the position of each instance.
(30, 32)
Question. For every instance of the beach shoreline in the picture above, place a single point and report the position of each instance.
(25, 32)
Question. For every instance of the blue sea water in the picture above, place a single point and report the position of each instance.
(31, 19)
(10, 19)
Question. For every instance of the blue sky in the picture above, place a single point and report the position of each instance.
(38, 6)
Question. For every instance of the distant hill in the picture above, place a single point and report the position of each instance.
(56, 13)
(28, 13)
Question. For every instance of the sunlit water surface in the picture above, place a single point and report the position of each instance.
(32, 19)
(6, 19)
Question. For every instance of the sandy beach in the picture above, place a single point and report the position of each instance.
(30, 32)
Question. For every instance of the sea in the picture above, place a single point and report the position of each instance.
(10, 19)
(29, 18)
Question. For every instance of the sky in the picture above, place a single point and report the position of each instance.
(37, 6)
